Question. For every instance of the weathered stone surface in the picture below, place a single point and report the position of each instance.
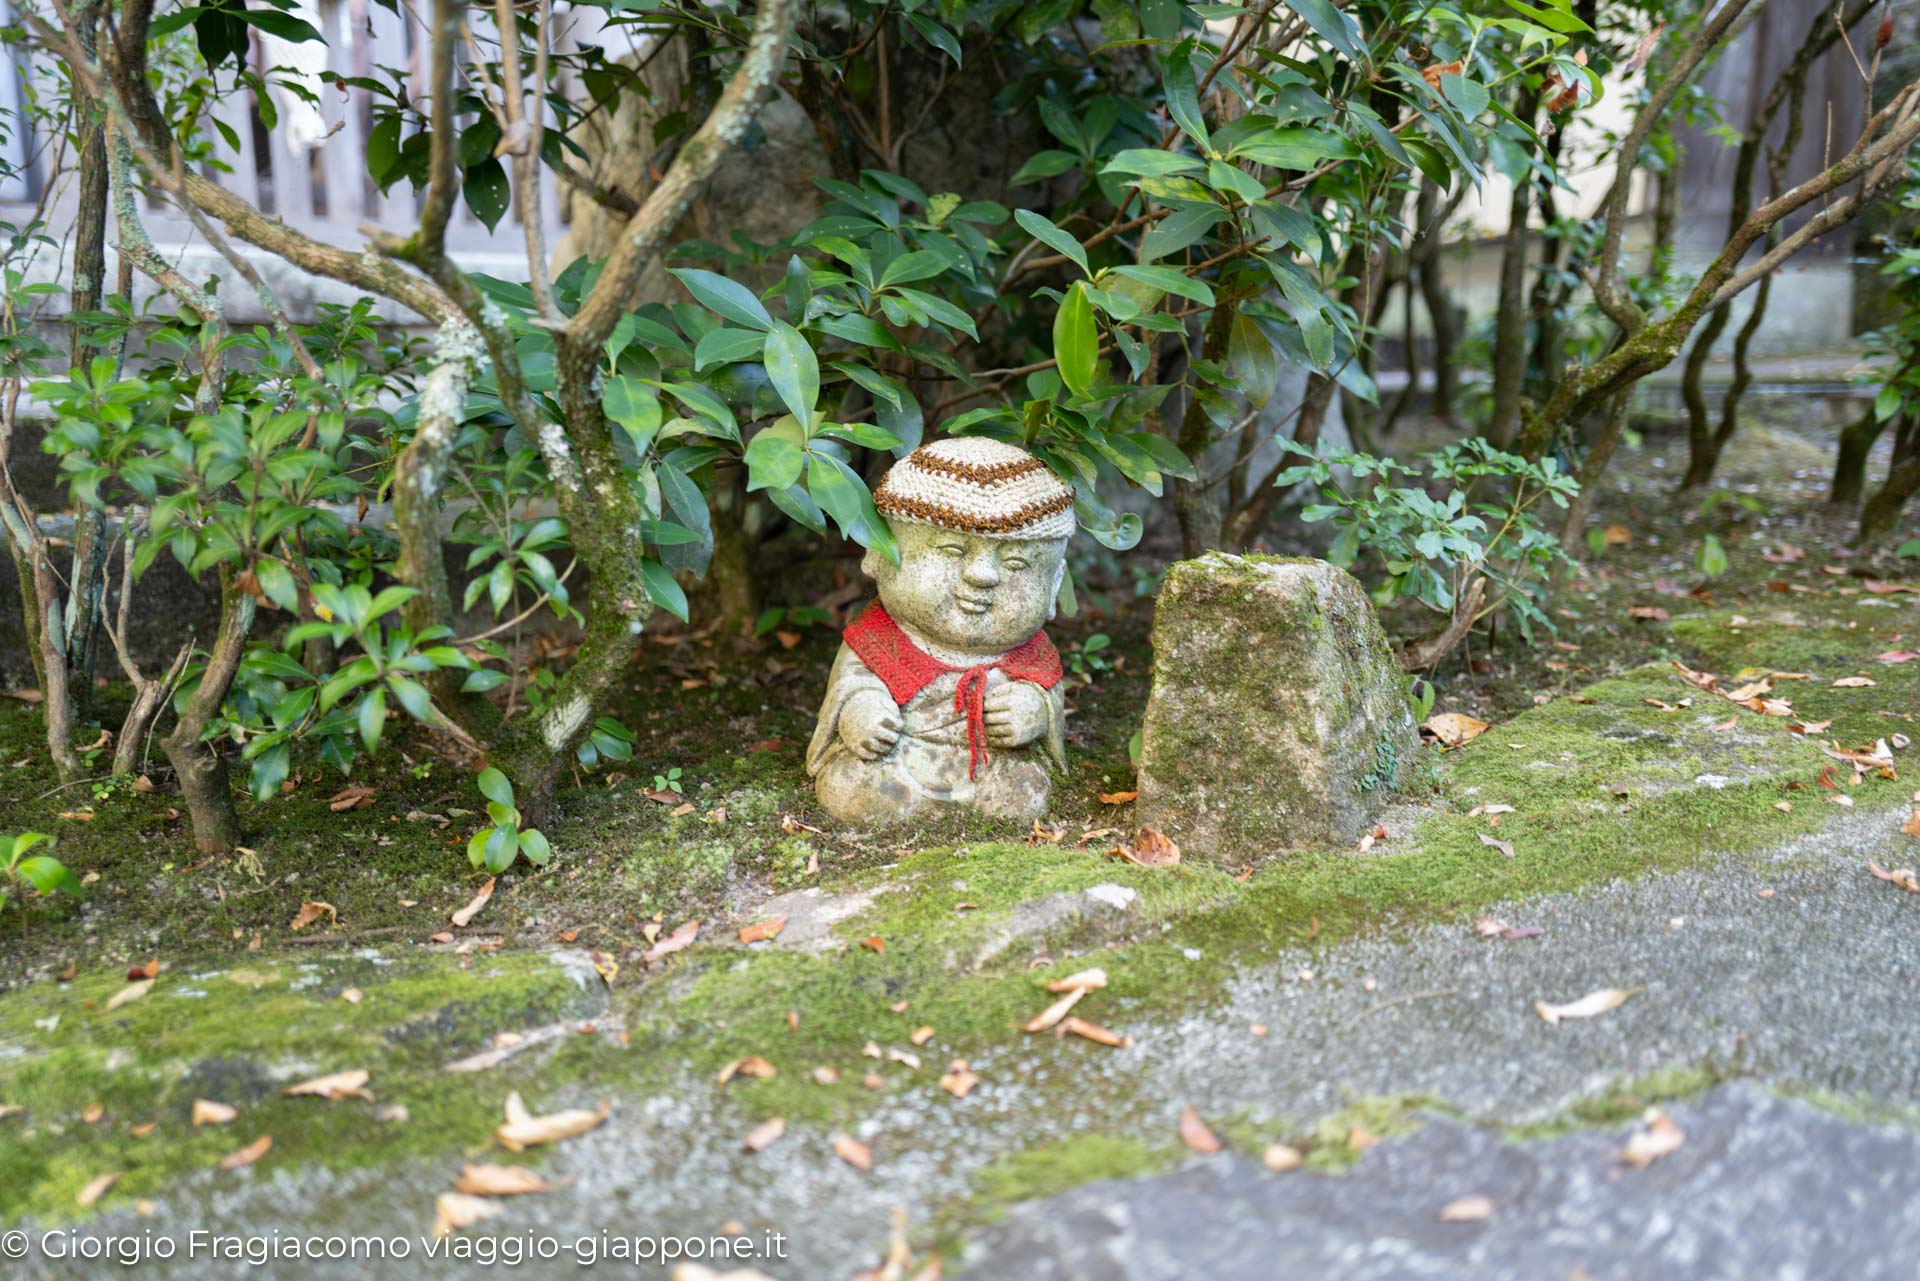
(1278, 718)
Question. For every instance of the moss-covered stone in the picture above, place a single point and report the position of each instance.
(1278, 718)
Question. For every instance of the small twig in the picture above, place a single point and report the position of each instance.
(1401, 1000)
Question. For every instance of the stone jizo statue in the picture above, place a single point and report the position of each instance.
(945, 690)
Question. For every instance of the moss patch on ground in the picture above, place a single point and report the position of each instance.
(240, 1037)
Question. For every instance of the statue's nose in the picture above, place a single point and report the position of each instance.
(980, 571)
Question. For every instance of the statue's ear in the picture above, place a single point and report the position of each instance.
(871, 562)
(1053, 592)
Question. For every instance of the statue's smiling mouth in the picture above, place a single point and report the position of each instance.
(973, 604)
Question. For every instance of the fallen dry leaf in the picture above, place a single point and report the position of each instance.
(352, 995)
(500, 1180)
(1897, 656)
(1855, 682)
(76, 816)
(1195, 1134)
(472, 909)
(239, 1157)
(311, 912)
(1088, 979)
(1117, 798)
(92, 1113)
(1281, 1157)
(1901, 876)
(349, 798)
(959, 1079)
(1589, 1006)
(131, 992)
(1494, 843)
(1055, 1012)
(921, 1035)
(874, 944)
(674, 942)
(1912, 826)
(523, 1130)
(853, 1151)
(761, 931)
(1074, 1026)
(826, 1075)
(1661, 1137)
(1455, 728)
(1467, 1209)
(335, 1085)
(1490, 927)
(95, 1189)
(1648, 613)
(765, 1135)
(455, 1210)
(751, 1065)
(1149, 848)
(207, 1112)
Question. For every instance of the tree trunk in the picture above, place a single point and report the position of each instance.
(1857, 440)
(202, 767)
(1591, 468)
(1881, 515)
(1433, 292)
(730, 590)
(1510, 316)
(1196, 504)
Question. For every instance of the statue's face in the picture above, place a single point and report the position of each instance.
(965, 592)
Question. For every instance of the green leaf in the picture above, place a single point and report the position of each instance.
(383, 149)
(276, 23)
(1051, 236)
(1042, 165)
(502, 844)
(24, 842)
(632, 405)
(725, 297)
(373, 718)
(533, 844)
(495, 787)
(1076, 341)
(1250, 361)
(487, 192)
(1469, 95)
(727, 347)
(1332, 26)
(793, 369)
(277, 583)
(412, 696)
(666, 593)
(1183, 104)
(48, 875)
(482, 679)
(936, 35)
(776, 456)
(1169, 280)
(1151, 162)
(843, 495)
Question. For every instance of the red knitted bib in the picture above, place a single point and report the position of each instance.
(907, 669)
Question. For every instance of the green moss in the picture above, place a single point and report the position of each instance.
(1053, 1168)
(240, 1037)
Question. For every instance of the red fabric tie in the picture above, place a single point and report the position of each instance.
(907, 669)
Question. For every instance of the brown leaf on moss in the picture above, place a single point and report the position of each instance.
(247, 1155)
(1149, 848)
(466, 914)
(1055, 1012)
(959, 1079)
(207, 1112)
(335, 1085)
(1074, 1026)
(1195, 1134)
(761, 931)
(523, 1130)
(1118, 798)
(674, 942)
(1492, 842)
(1088, 979)
(874, 943)
(311, 912)
(1455, 728)
(95, 1189)
(751, 1065)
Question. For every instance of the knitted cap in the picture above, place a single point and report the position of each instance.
(977, 485)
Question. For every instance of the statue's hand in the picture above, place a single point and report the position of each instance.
(870, 724)
(1016, 714)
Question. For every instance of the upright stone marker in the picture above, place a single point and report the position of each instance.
(1279, 718)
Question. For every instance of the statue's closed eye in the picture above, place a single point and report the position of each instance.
(953, 549)
(1015, 563)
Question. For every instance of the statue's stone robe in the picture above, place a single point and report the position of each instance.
(931, 763)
